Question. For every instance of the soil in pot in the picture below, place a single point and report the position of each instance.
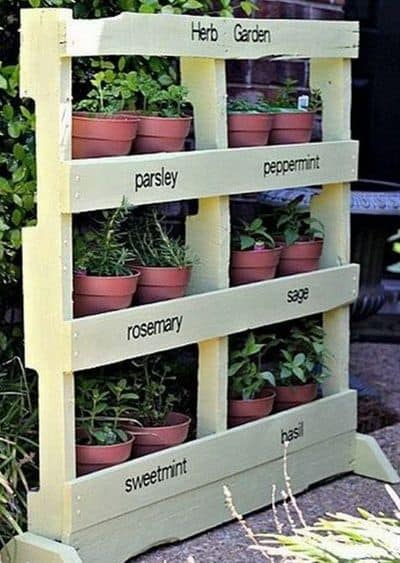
(161, 284)
(95, 135)
(93, 458)
(248, 266)
(241, 411)
(99, 294)
(249, 129)
(150, 439)
(291, 396)
(302, 256)
(292, 127)
(161, 134)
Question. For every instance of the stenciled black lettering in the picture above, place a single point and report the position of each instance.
(204, 33)
(255, 34)
(294, 433)
(157, 475)
(155, 327)
(290, 166)
(156, 179)
(298, 295)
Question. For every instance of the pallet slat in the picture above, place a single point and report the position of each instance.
(199, 509)
(101, 183)
(154, 478)
(218, 38)
(111, 337)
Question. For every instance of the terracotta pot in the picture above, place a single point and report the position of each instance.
(93, 458)
(161, 134)
(249, 129)
(241, 411)
(292, 127)
(248, 266)
(161, 284)
(291, 396)
(98, 294)
(151, 439)
(302, 256)
(95, 135)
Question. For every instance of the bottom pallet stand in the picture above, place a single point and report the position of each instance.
(176, 493)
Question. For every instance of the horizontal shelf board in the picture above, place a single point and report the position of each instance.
(204, 508)
(111, 337)
(195, 464)
(101, 183)
(219, 38)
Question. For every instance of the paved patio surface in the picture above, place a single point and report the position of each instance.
(378, 367)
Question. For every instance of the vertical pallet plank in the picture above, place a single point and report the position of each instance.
(208, 233)
(47, 264)
(332, 207)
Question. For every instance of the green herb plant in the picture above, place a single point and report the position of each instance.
(302, 356)
(287, 96)
(110, 93)
(250, 236)
(294, 223)
(101, 250)
(100, 406)
(153, 382)
(162, 101)
(246, 377)
(152, 245)
(243, 105)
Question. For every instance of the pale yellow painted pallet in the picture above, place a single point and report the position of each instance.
(107, 516)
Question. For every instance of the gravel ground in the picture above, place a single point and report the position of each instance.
(377, 366)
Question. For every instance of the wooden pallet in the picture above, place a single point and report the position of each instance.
(116, 513)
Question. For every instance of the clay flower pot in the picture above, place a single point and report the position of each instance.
(149, 439)
(241, 411)
(249, 129)
(302, 256)
(248, 266)
(291, 396)
(161, 284)
(161, 134)
(95, 135)
(93, 458)
(292, 127)
(99, 294)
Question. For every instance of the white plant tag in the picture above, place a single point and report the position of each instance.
(303, 102)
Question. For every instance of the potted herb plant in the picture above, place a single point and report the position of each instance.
(249, 123)
(164, 124)
(158, 426)
(98, 127)
(293, 121)
(255, 255)
(103, 281)
(249, 396)
(300, 366)
(301, 236)
(101, 440)
(165, 263)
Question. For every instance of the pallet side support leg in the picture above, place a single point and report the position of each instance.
(208, 233)
(30, 548)
(370, 461)
(333, 78)
(47, 264)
